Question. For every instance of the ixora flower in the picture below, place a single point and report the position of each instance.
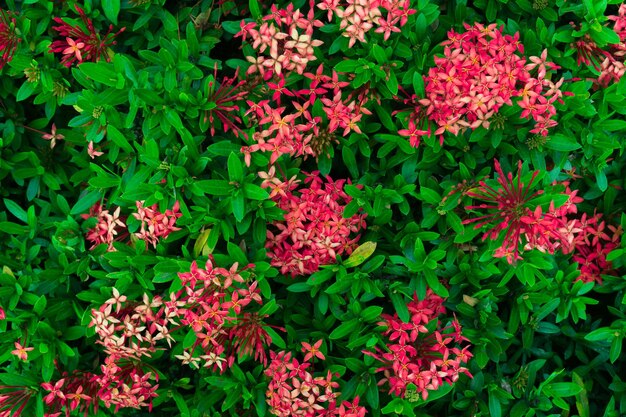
(480, 71)
(81, 41)
(9, 38)
(314, 231)
(417, 360)
(108, 228)
(154, 224)
(21, 352)
(294, 391)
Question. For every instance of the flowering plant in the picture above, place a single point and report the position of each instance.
(312, 208)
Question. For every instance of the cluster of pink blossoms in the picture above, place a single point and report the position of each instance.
(357, 17)
(612, 67)
(287, 35)
(291, 129)
(508, 211)
(122, 385)
(478, 73)
(417, 356)
(294, 391)
(154, 224)
(108, 228)
(314, 230)
(82, 42)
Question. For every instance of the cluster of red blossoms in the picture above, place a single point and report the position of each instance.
(357, 17)
(478, 73)
(294, 391)
(314, 230)
(420, 360)
(110, 227)
(82, 42)
(294, 131)
(9, 38)
(508, 210)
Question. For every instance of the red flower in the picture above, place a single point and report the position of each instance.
(82, 41)
(9, 39)
(506, 205)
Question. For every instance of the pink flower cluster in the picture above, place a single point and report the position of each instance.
(508, 211)
(294, 391)
(287, 35)
(612, 67)
(314, 230)
(124, 386)
(291, 129)
(81, 41)
(108, 228)
(154, 224)
(357, 17)
(417, 360)
(478, 73)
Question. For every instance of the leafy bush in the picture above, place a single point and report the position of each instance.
(323, 208)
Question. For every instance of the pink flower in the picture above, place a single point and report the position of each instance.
(92, 152)
(21, 352)
(53, 136)
(74, 48)
(313, 351)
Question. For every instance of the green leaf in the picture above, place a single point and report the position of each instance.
(235, 168)
(101, 72)
(255, 10)
(16, 210)
(564, 389)
(118, 138)
(559, 142)
(84, 203)
(344, 329)
(238, 206)
(400, 304)
(215, 187)
(111, 9)
(254, 192)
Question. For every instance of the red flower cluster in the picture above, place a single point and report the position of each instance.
(418, 360)
(154, 224)
(8, 37)
(509, 211)
(478, 73)
(81, 41)
(221, 102)
(357, 17)
(506, 205)
(287, 35)
(294, 391)
(211, 303)
(314, 230)
(296, 132)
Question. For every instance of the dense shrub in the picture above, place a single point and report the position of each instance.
(323, 208)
